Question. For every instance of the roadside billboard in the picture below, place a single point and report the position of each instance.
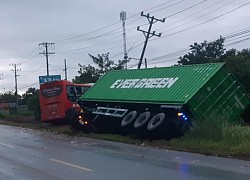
(44, 79)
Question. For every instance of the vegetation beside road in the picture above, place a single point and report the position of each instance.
(214, 137)
(217, 138)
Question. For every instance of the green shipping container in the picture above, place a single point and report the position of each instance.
(206, 89)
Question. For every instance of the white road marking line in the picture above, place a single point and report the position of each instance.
(7, 145)
(72, 165)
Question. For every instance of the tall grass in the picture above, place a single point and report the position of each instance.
(209, 129)
(236, 135)
(216, 136)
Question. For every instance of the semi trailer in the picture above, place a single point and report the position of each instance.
(163, 101)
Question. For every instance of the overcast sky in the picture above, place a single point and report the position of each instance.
(81, 27)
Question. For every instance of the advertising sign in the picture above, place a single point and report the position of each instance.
(44, 79)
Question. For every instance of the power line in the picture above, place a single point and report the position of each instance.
(5, 68)
(195, 13)
(239, 41)
(160, 5)
(201, 24)
(110, 33)
(115, 30)
(28, 86)
(190, 7)
(228, 38)
(206, 21)
(27, 56)
(32, 72)
(166, 6)
(170, 16)
(237, 34)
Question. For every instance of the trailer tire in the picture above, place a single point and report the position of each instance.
(156, 121)
(128, 118)
(142, 119)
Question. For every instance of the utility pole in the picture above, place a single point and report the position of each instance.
(46, 53)
(151, 20)
(146, 64)
(15, 70)
(65, 69)
(1, 75)
(123, 18)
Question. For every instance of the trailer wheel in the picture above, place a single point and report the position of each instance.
(156, 121)
(142, 119)
(129, 118)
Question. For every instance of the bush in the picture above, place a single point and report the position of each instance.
(2, 116)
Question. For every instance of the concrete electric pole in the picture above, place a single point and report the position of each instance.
(147, 34)
(46, 53)
(65, 69)
(15, 70)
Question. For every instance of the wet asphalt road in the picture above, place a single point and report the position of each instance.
(30, 154)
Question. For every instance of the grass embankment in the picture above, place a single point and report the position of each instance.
(216, 137)
(210, 137)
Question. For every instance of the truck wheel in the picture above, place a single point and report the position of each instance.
(129, 118)
(142, 119)
(71, 115)
(156, 121)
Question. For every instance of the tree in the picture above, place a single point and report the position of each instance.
(90, 74)
(27, 95)
(31, 98)
(121, 64)
(205, 52)
(105, 64)
(239, 64)
(237, 61)
(8, 97)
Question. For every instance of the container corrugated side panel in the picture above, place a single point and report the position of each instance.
(191, 78)
(222, 96)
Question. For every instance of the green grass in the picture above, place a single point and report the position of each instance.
(216, 137)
